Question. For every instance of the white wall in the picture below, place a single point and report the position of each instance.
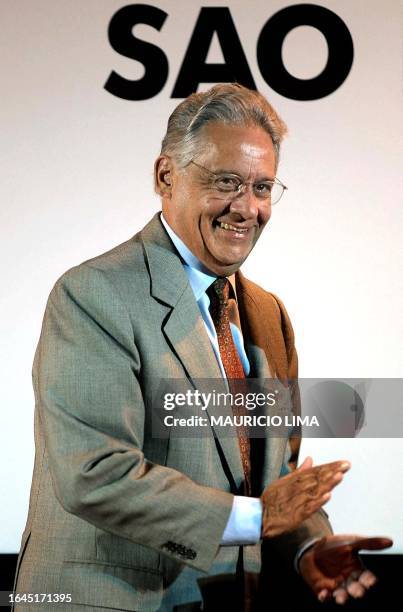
(77, 179)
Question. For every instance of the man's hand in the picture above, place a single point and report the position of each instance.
(332, 566)
(292, 499)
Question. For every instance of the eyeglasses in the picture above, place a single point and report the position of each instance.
(227, 184)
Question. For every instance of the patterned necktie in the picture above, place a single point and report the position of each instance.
(218, 293)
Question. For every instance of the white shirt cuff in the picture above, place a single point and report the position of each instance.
(244, 525)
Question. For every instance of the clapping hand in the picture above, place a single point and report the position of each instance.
(288, 501)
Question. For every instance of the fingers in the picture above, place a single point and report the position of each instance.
(306, 508)
(349, 588)
(367, 579)
(323, 595)
(310, 488)
(340, 596)
(335, 466)
(325, 498)
(292, 499)
(344, 465)
(355, 586)
(306, 465)
(329, 471)
(327, 475)
(317, 481)
(325, 471)
(311, 492)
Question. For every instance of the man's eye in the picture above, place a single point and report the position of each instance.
(264, 188)
(227, 183)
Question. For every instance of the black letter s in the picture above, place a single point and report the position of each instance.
(124, 42)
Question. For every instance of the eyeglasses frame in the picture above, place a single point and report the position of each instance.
(243, 183)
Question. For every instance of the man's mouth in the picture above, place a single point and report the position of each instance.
(232, 228)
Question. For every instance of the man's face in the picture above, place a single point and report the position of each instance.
(197, 212)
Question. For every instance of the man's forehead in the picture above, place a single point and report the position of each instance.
(221, 130)
(249, 147)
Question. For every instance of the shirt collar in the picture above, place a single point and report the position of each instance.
(200, 278)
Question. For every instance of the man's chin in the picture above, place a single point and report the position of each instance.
(225, 267)
(222, 259)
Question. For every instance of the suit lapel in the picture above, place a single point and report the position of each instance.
(264, 345)
(183, 325)
(184, 329)
(261, 328)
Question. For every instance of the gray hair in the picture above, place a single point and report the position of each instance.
(228, 103)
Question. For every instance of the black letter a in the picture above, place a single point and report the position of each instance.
(194, 69)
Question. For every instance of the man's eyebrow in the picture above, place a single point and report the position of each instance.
(224, 171)
(234, 173)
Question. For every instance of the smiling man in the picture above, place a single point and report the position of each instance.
(230, 183)
(122, 519)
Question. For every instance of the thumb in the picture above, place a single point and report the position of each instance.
(307, 463)
(374, 543)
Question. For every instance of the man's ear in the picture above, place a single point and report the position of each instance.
(163, 168)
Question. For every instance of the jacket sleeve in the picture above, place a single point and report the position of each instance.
(86, 382)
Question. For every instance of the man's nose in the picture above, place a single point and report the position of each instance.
(245, 203)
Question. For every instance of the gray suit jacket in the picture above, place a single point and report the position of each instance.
(119, 518)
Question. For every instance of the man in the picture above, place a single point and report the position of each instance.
(122, 519)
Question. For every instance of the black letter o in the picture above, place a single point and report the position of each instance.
(339, 41)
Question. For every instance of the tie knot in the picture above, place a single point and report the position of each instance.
(218, 293)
